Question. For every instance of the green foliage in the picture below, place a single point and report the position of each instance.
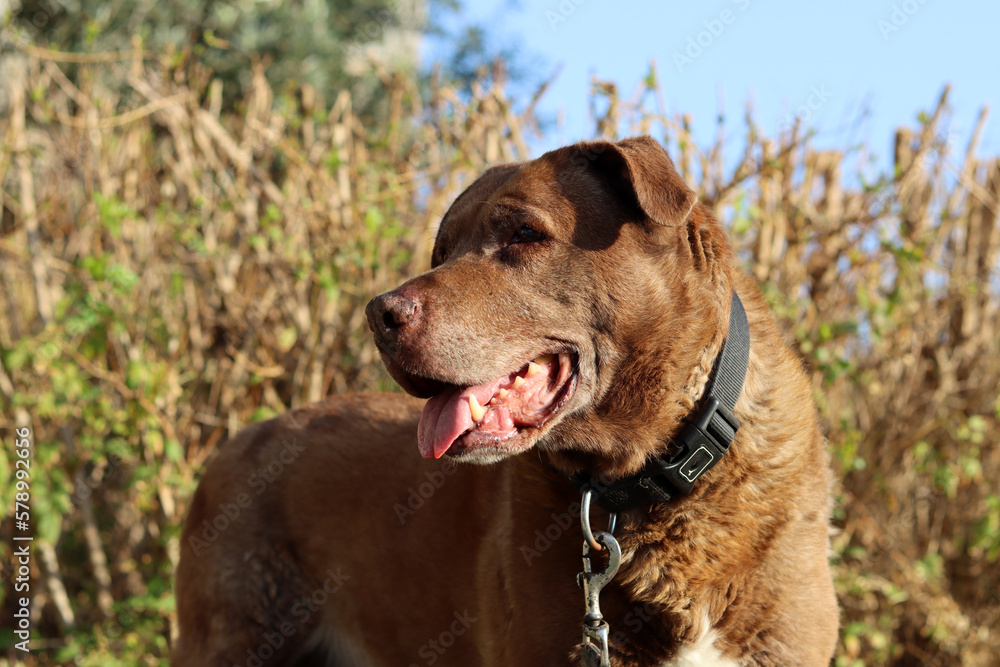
(305, 40)
(133, 635)
(332, 45)
(197, 294)
(986, 530)
(193, 294)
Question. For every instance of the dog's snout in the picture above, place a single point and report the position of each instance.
(396, 311)
(390, 314)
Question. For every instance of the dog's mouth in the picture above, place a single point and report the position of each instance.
(504, 415)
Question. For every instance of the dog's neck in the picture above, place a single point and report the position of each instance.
(687, 559)
(609, 453)
(679, 558)
(687, 534)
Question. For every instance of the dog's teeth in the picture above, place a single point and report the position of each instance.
(545, 359)
(502, 394)
(533, 369)
(518, 381)
(478, 411)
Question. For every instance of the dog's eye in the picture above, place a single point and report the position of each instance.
(526, 234)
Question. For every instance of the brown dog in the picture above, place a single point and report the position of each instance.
(321, 538)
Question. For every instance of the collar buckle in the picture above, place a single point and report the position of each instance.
(702, 443)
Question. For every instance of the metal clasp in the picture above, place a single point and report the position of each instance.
(588, 535)
(595, 628)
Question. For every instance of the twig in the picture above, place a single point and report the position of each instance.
(55, 586)
(82, 58)
(30, 213)
(125, 118)
(119, 385)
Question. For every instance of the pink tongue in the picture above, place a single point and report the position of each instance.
(447, 416)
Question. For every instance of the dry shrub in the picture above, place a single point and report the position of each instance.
(172, 273)
(888, 285)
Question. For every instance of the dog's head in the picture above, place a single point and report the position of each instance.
(573, 302)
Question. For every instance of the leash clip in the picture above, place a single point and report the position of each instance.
(595, 645)
(595, 628)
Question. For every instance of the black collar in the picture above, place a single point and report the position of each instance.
(702, 442)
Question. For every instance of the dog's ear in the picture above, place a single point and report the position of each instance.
(641, 172)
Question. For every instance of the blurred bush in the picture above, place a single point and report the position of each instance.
(888, 284)
(330, 45)
(325, 43)
(173, 271)
(172, 274)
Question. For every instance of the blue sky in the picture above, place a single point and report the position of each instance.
(890, 58)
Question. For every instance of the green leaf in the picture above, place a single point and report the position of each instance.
(262, 413)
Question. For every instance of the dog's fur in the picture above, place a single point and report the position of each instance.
(340, 546)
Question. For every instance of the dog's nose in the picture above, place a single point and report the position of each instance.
(389, 314)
